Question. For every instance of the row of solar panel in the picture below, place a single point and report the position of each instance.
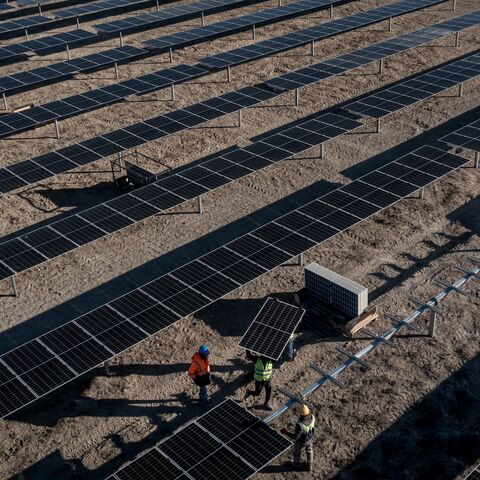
(29, 7)
(467, 137)
(77, 38)
(121, 140)
(228, 439)
(307, 35)
(71, 106)
(36, 368)
(39, 23)
(398, 97)
(168, 191)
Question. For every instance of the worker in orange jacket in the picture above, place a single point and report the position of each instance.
(199, 372)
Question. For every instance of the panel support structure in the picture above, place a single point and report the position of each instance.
(14, 286)
(78, 23)
(229, 74)
(477, 160)
(378, 125)
(454, 5)
(297, 97)
(170, 55)
(240, 120)
(312, 48)
(203, 19)
(457, 39)
(5, 104)
(381, 66)
(199, 204)
(322, 151)
(69, 57)
(57, 130)
(254, 33)
(331, 10)
(172, 91)
(115, 66)
(121, 39)
(460, 90)
(432, 326)
(390, 24)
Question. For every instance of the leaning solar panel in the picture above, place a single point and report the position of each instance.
(467, 137)
(272, 328)
(18, 27)
(40, 366)
(168, 191)
(413, 90)
(230, 443)
(307, 35)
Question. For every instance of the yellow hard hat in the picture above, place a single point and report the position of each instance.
(303, 410)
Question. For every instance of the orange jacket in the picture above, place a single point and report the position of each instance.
(198, 367)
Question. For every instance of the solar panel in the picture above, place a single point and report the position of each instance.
(10, 124)
(103, 8)
(169, 190)
(474, 474)
(32, 370)
(229, 442)
(17, 27)
(467, 137)
(151, 20)
(272, 328)
(302, 37)
(415, 89)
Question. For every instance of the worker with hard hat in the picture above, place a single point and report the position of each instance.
(199, 372)
(263, 379)
(304, 433)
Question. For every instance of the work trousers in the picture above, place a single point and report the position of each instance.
(259, 387)
(203, 395)
(297, 451)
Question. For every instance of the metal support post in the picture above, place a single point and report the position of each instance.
(78, 23)
(121, 39)
(381, 66)
(40, 9)
(454, 5)
(378, 126)
(172, 90)
(457, 39)
(14, 286)
(106, 366)
(170, 55)
(469, 272)
(297, 97)
(117, 76)
(279, 3)
(312, 48)
(422, 193)
(322, 151)
(68, 52)
(254, 33)
(229, 74)
(432, 326)
(460, 90)
(57, 129)
(240, 123)
(300, 260)
(477, 155)
(390, 22)
(158, 6)
(5, 104)
(203, 19)
(331, 10)
(200, 204)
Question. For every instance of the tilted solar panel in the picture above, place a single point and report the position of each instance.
(42, 365)
(467, 137)
(168, 191)
(229, 442)
(307, 35)
(272, 328)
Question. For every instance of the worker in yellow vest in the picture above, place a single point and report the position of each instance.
(303, 436)
(263, 379)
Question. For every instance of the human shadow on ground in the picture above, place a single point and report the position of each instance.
(180, 409)
(438, 438)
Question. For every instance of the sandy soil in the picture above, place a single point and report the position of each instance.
(414, 415)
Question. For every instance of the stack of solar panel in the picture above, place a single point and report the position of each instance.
(348, 296)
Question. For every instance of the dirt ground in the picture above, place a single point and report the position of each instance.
(415, 414)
